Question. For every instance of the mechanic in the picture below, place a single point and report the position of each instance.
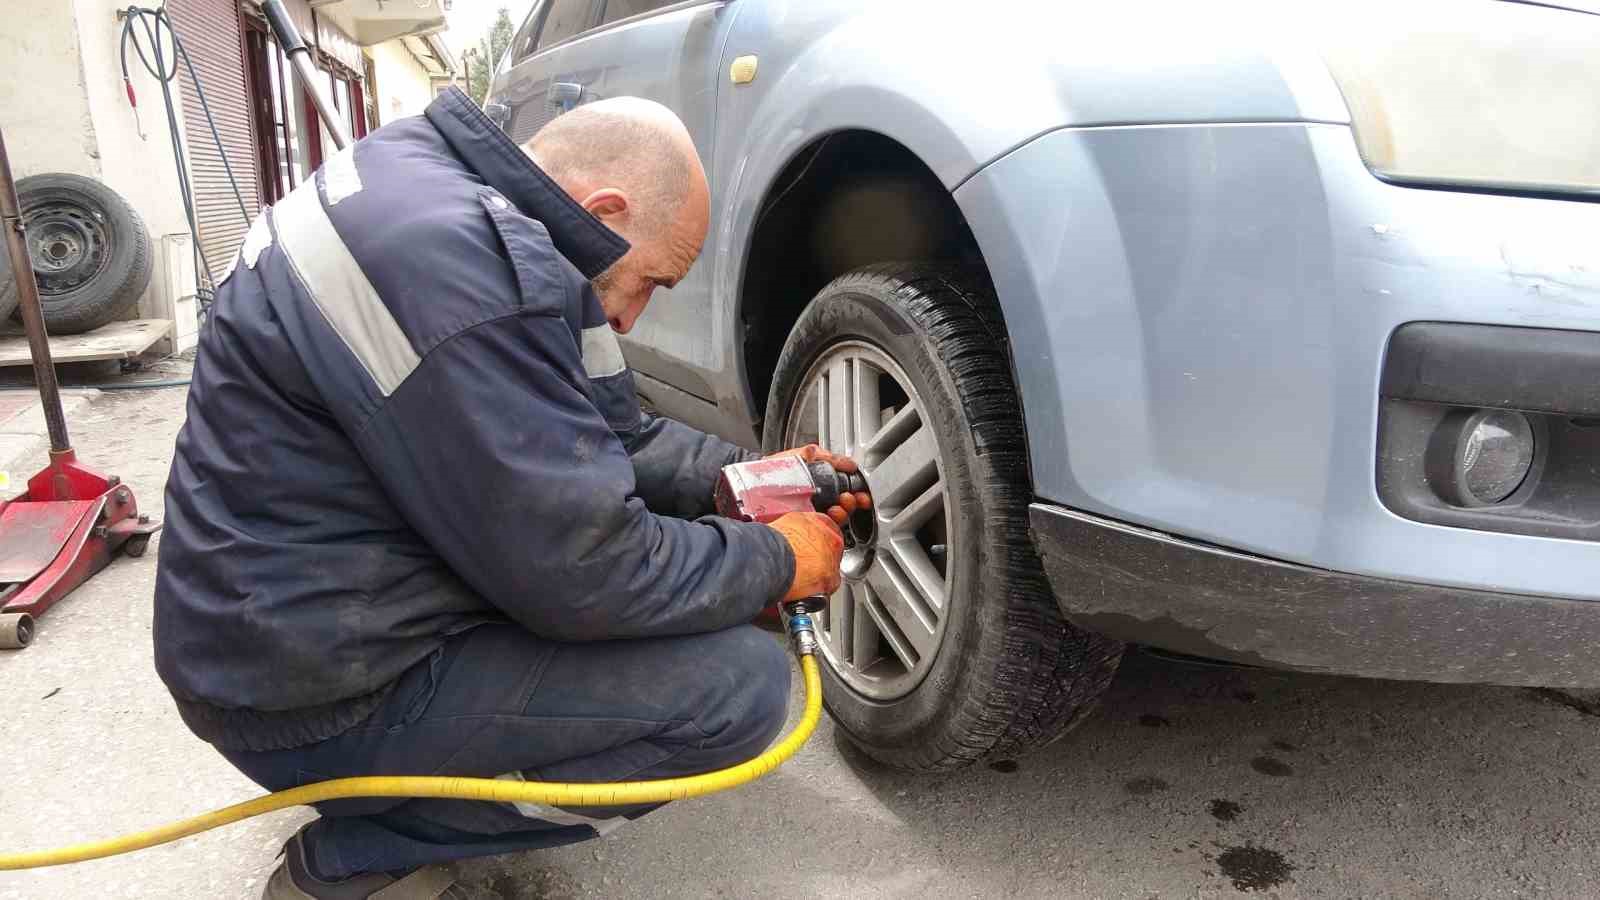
(417, 524)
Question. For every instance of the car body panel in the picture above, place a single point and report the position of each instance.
(672, 57)
(1198, 272)
(1198, 319)
(894, 69)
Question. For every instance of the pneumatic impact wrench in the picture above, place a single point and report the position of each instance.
(763, 490)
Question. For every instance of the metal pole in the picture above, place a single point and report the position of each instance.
(294, 46)
(44, 369)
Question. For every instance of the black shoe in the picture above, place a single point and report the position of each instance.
(292, 880)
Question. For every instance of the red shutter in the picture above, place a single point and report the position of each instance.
(210, 32)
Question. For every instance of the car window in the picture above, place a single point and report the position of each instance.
(565, 19)
(621, 9)
(522, 45)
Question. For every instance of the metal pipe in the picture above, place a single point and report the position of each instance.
(294, 47)
(44, 369)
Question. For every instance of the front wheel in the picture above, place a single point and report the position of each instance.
(945, 645)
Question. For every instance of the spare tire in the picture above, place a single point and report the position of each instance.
(89, 248)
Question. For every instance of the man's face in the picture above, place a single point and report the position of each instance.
(658, 260)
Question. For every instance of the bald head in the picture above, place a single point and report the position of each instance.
(632, 164)
(628, 143)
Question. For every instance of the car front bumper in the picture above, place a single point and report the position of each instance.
(1199, 319)
(1147, 587)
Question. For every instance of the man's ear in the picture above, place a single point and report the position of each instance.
(605, 203)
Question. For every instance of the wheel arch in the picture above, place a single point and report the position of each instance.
(846, 199)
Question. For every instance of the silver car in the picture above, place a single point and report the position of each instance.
(1259, 332)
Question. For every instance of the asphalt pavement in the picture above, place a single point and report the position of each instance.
(1191, 782)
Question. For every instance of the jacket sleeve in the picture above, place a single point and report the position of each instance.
(495, 453)
(675, 467)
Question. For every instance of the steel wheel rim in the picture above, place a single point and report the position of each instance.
(69, 245)
(883, 629)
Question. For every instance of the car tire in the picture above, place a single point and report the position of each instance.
(89, 248)
(985, 666)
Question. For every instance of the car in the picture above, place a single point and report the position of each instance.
(1266, 333)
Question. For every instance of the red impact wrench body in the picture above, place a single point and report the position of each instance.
(765, 489)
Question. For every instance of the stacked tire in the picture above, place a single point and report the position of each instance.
(89, 248)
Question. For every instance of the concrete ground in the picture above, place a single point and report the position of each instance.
(1191, 782)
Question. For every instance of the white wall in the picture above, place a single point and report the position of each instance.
(140, 170)
(64, 110)
(404, 88)
(42, 104)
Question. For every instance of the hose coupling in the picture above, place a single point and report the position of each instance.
(802, 630)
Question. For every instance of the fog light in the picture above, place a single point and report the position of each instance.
(1493, 455)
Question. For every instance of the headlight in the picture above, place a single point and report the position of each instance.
(1488, 94)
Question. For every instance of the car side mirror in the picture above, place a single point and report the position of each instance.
(498, 113)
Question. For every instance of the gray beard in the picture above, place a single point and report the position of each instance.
(603, 282)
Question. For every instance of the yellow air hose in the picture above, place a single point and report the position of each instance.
(622, 793)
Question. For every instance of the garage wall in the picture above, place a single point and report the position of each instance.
(68, 113)
(43, 107)
(140, 169)
(404, 88)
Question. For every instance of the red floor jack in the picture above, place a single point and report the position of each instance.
(71, 520)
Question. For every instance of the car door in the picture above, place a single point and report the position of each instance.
(668, 52)
(521, 100)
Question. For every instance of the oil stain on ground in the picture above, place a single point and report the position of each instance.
(1224, 810)
(1150, 720)
(538, 883)
(1143, 787)
(1253, 868)
(1004, 765)
(1266, 765)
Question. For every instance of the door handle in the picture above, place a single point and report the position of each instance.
(565, 94)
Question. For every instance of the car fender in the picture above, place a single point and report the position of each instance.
(962, 92)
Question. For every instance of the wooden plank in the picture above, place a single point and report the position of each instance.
(118, 340)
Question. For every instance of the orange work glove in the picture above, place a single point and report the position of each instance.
(818, 549)
(848, 503)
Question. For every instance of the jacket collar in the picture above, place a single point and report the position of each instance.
(578, 236)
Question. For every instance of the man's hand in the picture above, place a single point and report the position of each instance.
(848, 503)
(818, 549)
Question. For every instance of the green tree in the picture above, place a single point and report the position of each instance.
(486, 55)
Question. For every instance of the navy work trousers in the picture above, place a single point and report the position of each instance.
(500, 702)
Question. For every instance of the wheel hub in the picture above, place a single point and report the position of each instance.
(883, 628)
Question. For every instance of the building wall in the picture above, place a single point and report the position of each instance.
(68, 113)
(140, 169)
(43, 107)
(404, 87)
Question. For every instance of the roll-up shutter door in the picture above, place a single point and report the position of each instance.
(210, 32)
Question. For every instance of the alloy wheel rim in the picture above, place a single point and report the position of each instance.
(883, 628)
